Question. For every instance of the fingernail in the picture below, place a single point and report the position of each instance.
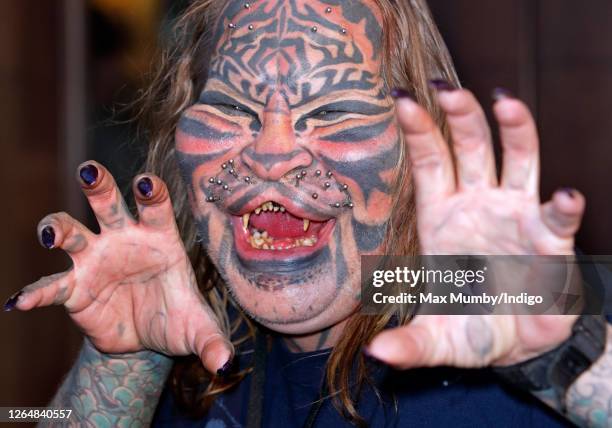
(145, 187)
(401, 93)
(225, 369)
(47, 237)
(501, 94)
(89, 174)
(12, 301)
(568, 191)
(441, 85)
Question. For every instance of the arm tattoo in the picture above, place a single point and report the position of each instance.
(589, 399)
(113, 389)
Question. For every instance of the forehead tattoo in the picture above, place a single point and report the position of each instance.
(305, 50)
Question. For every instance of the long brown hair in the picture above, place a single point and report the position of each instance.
(413, 53)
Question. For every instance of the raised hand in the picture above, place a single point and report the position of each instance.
(462, 209)
(132, 286)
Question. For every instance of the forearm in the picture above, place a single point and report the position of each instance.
(113, 390)
(589, 399)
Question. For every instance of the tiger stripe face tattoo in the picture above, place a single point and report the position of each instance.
(290, 154)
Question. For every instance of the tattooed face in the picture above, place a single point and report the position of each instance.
(289, 155)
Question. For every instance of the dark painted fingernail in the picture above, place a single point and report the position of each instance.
(145, 187)
(89, 174)
(225, 370)
(568, 191)
(12, 301)
(47, 237)
(441, 85)
(402, 93)
(501, 94)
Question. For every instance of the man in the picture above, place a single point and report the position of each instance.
(296, 162)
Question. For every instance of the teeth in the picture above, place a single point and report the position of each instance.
(282, 209)
(264, 234)
(257, 210)
(276, 208)
(306, 224)
(308, 242)
(256, 234)
(245, 221)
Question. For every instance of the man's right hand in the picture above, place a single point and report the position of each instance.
(131, 287)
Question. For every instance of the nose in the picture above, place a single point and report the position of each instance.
(275, 152)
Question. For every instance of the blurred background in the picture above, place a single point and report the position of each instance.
(68, 68)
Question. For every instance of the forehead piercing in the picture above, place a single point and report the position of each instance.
(328, 10)
(315, 195)
(314, 29)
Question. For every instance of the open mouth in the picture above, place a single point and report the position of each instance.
(271, 231)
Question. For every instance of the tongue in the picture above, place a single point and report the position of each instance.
(283, 225)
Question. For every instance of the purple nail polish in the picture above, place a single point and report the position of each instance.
(47, 237)
(145, 187)
(225, 369)
(568, 191)
(401, 93)
(441, 85)
(501, 94)
(89, 174)
(12, 301)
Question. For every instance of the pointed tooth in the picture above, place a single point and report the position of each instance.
(245, 221)
(256, 234)
(306, 224)
(264, 234)
(257, 210)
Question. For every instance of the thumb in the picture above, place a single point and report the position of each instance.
(563, 213)
(207, 340)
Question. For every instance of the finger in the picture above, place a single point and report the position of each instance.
(406, 347)
(59, 230)
(104, 197)
(430, 158)
(471, 136)
(153, 202)
(563, 213)
(519, 138)
(208, 341)
(49, 290)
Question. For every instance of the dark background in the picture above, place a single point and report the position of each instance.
(66, 67)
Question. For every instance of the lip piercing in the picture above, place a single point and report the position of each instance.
(211, 180)
(223, 165)
(303, 173)
(344, 187)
